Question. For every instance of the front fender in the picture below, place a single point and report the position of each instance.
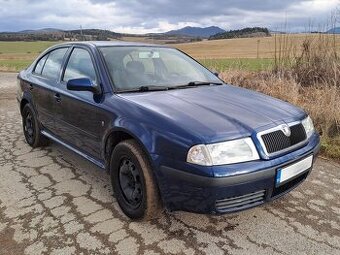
(23, 92)
(137, 130)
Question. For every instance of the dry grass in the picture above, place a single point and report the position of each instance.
(247, 47)
(315, 63)
(7, 69)
(311, 81)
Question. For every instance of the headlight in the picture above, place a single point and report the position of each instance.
(224, 153)
(309, 127)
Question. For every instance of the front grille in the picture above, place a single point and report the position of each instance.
(240, 202)
(277, 141)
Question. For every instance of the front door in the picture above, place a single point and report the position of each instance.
(45, 77)
(79, 118)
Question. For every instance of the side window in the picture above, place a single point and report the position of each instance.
(80, 65)
(39, 66)
(53, 63)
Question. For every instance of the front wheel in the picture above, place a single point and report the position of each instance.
(133, 182)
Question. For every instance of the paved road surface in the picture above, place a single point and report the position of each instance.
(54, 202)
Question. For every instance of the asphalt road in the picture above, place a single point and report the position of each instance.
(54, 202)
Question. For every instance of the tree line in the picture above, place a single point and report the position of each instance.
(241, 33)
(71, 35)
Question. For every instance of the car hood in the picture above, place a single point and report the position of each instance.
(217, 113)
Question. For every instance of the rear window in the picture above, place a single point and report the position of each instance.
(52, 66)
(38, 68)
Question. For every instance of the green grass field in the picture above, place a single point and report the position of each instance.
(15, 56)
(221, 55)
(247, 64)
(15, 65)
(24, 47)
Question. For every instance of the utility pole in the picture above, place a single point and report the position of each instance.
(258, 49)
(81, 33)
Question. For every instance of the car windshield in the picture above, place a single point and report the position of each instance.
(146, 68)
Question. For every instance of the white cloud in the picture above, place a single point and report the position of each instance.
(137, 16)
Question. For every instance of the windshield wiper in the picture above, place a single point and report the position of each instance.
(152, 88)
(145, 89)
(163, 88)
(202, 83)
(195, 84)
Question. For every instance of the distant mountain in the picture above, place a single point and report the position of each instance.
(41, 31)
(335, 30)
(186, 34)
(203, 32)
(53, 34)
(95, 33)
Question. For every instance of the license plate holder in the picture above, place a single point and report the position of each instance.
(285, 174)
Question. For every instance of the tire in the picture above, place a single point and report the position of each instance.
(133, 182)
(31, 128)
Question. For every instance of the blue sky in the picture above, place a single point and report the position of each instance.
(138, 16)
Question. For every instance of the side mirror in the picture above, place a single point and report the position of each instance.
(82, 84)
(217, 74)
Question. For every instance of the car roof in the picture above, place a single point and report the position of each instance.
(112, 43)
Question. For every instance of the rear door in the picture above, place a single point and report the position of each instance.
(45, 77)
(80, 119)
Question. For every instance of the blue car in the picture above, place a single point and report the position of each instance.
(169, 132)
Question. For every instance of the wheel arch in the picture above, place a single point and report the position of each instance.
(114, 137)
(26, 99)
(23, 102)
(118, 134)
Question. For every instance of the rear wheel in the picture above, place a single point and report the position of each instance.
(133, 181)
(31, 128)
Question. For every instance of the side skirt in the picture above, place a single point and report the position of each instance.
(89, 158)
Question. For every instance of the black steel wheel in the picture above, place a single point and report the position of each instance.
(130, 182)
(31, 128)
(133, 181)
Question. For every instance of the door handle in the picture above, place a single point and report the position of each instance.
(57, 97)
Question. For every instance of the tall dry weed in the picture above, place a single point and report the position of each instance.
(318, 63)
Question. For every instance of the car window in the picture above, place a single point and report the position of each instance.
(179, 66)
(80, 65)
(148, 63)
(38, 68)
(134, 67)
(53, 63)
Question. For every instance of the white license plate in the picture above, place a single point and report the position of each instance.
(286, 173)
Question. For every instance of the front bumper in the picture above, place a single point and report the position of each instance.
(225, 191)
